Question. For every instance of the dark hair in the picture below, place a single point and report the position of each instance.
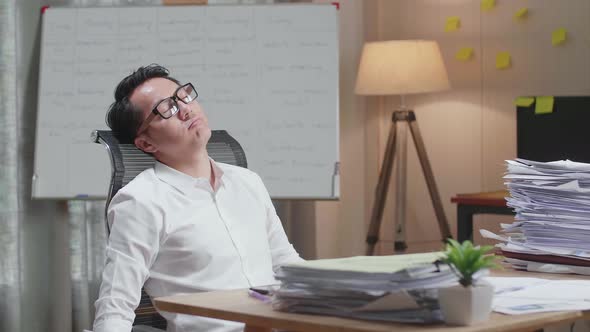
(123, 117)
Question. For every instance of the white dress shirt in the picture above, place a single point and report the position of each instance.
(174, 234)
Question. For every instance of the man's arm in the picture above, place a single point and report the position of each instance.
(132, 248)
(281, 249)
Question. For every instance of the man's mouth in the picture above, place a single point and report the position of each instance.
(194, 122)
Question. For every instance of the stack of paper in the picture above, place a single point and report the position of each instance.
(401, 288)
(551, 232)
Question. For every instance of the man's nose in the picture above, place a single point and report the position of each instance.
(184, 111)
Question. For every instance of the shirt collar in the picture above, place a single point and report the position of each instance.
(184, 182)
(217, 174)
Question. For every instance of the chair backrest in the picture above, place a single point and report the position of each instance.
(128, 161)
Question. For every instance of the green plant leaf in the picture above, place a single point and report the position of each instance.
(466, 259)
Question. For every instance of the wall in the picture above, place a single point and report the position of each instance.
(471, 129)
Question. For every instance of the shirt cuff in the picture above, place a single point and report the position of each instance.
(113, 325)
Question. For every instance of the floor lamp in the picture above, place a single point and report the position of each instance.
(402, 67)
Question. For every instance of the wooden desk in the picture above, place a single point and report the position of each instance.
(469, 204)
(236, 305)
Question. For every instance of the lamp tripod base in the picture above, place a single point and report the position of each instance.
(400, 244)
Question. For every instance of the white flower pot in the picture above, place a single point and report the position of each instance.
(466, 305)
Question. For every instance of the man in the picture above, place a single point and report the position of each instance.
(188, 224)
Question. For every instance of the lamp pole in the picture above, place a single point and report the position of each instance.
(399, 233)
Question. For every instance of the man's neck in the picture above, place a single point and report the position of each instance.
(195, 165)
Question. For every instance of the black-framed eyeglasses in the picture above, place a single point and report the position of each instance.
(167, 107)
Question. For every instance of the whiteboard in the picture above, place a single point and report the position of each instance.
(267, 74)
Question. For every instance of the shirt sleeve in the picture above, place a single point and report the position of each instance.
(132, 247)
(281, 249)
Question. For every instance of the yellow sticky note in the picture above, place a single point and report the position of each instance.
(544, 105)
(558, 36)
(464, 54)
(453, 24)
(524, 101)
(488, 4)
(521, 14)
(502, 60)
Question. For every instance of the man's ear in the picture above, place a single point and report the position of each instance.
(144, 144)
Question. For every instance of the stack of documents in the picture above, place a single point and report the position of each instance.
(551, 232)
(401, 288)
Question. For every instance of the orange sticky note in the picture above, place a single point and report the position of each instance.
(544, 105)
(502, 60)
(488, 4)
(524, 101)
(464, 54)
(453, 24)
(521, 14)
(559, 36)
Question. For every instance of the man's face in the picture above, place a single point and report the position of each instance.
(185, 132)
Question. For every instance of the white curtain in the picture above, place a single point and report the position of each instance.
(86, 249)
(10, 281)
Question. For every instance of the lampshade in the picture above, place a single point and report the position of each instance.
(401, 67)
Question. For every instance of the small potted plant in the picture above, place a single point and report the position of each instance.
(471, 301)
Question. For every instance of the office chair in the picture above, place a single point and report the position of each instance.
(127, 162)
